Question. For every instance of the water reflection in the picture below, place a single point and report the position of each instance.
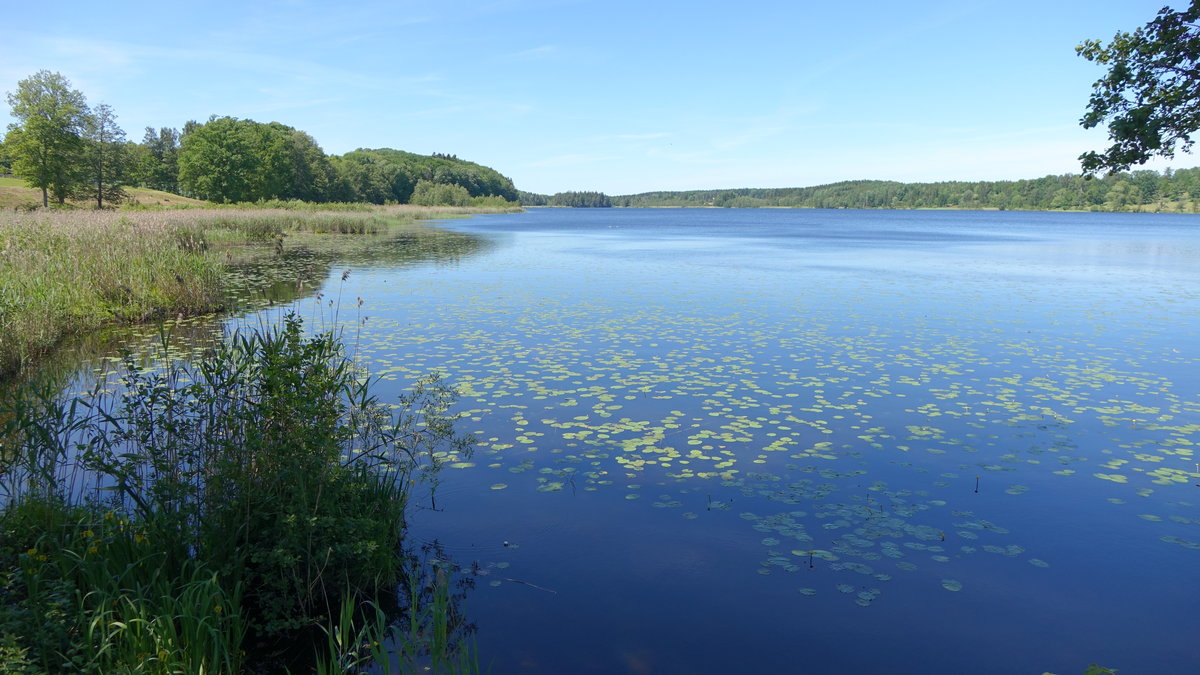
(259, 278)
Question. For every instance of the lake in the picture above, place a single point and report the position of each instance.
(768, 441)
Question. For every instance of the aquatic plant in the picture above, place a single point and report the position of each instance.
(65, 273)
(251, 494)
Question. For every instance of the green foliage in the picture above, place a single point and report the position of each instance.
(156, 159)
(228, 160)
(5, 158)
(1150, 96)
(106, 158)
(83, 589)
(58, 145)
(254, 493)
(580, 200)
(532, 198)
(1142, 190)
(495, 202)
(358, 638)
(46, 142)
(66, 273)
(383, 175)
(69, 273)
(427, 193)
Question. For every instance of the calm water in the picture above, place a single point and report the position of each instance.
(717, 441)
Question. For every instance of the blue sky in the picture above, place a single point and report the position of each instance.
(610, 95)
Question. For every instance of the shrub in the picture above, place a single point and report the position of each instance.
(257, 490)
(427, 193)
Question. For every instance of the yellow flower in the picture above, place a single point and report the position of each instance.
(217, 609)
(31, 552)
(93, 549)
(88, 534)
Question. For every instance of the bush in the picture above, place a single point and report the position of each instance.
(427, 193)
(257, 491)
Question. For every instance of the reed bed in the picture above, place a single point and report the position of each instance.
(65, 273)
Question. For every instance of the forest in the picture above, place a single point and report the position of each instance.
(74, 151)
(572, 199)
(71, 150)
(236, 160)
(1143, 190)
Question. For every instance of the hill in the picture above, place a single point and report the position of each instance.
(1144, 190)
(384, 174)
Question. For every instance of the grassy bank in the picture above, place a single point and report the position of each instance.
(65, 273)
(14, 194)
(216, 516)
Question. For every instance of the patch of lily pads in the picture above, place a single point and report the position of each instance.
(865, 451)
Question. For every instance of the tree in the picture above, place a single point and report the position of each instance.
(105, 156)
(46, 143)
(159, 161)
(217, 161)
(5, 159)
(1150, 96)
(234, 160)
(427, 193)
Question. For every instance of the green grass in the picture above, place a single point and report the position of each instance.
(215, 514)
(14, 194)
(65, 273)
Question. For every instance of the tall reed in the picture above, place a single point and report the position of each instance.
(247, 496)
(65, 273)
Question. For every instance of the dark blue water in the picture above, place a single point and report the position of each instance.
(718, 441)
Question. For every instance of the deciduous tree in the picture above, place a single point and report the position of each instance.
(159, 167)
(218, 161)
(1150, 97)
(105, 155)
(46, 142)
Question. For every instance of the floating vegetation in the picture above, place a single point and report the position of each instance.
(883, 430)
(1182, 542)
(952, 585)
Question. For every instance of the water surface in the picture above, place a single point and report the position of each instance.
(718, 441)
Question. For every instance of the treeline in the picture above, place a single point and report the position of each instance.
(70, 151)
(573, 199)
(1139, 190)
(234, 160)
